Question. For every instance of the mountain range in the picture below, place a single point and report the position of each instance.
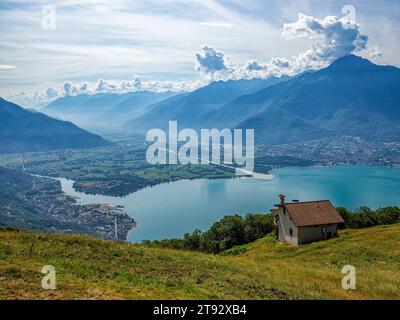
(103, 109)
(193, 108)
(351, 97)
(22, 130)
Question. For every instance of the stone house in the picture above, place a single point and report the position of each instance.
(304, 222)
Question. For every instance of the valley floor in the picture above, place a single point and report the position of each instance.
(90, 268)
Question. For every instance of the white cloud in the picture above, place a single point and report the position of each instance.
(335, 40)
(210, 61)
(137, 83)
(40, 99)
(7, 67)
(254, 65)
(36, 100)
(105, 86)
(67, 89)
(51, 93)
(84, 87)
(280, 62)
(331, 41)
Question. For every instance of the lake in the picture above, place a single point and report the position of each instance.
(170, 210)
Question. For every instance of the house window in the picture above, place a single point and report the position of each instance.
(291, 232)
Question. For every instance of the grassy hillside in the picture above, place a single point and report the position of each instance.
(89, 268)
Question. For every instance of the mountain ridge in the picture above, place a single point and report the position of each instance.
(191, 109)
(352, 96)
(338, 100)
(22, 130)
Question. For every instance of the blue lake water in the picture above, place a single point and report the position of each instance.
(170, 210)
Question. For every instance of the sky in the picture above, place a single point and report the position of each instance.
(55, 48)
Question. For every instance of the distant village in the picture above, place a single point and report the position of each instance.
(100, 220)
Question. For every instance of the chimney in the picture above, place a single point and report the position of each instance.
(282, 198)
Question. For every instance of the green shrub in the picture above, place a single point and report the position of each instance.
(231, 231)
(236, 250)
(365, 217)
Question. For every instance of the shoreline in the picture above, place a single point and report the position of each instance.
(254, 175)
(260, 183)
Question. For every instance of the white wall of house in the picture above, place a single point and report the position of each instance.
(285, 226)
(314, 233)
(289, 233)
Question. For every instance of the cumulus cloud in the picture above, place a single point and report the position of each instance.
(337, 38)
(36, 100)
(280, 62)
(105, 86)
(254, 65)
(213, 64)
(332, 37)
(115, 86)
(176, 86)
(51, 93)
(211, 61)
(70, 89)
(39, 100)
(137, 83)
(67, 89)
(84, 88)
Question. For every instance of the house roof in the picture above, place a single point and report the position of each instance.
(313, 213)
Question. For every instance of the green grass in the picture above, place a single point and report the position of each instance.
(89, 268)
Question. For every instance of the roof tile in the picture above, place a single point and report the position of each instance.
(313, 213)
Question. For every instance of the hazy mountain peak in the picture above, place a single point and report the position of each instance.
(351, 62)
